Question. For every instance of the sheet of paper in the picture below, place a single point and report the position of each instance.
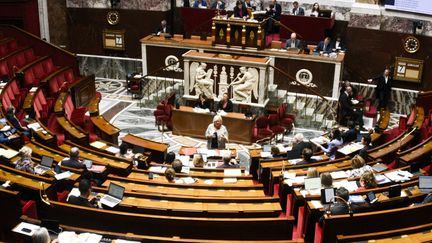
(63, 175)
(184, 159)
(23, 225)
(208, 182)
(35, 126)
(155, 169)
(266, 154)
(98, 144)
(338, 175)
(232, 172)
(317, 204)
(188, 180)
(381, 179)
(185, 169)
(356, 199)
(189, 151)
(288, 175)
(97, 168)
(230, 180)
(112, 149)
(294, 161)
(89, 238)
(317, 157)
(5, 128)
(8, 153)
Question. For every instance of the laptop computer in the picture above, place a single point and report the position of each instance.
(425, 184)
(326, 13)
(114, 196)
(267, 147)
(312, 183)
(45, 165)
(327, 195)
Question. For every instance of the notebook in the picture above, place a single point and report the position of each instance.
(114, 196)
(312, 183)
(425, 184)
(44, 166)
(379, 167)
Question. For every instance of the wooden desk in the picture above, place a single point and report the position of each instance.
(106, 130)
(35, 183)
(238, 32)
(186, 122)
(172, 189)
(391, 147)
(75, 133)
(420, 150)
(157, 150)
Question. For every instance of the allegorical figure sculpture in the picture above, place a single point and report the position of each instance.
(201, 80)
(243, 85)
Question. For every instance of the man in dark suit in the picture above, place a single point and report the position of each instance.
(239, 10)
(297, 10)
(293, 42)
(82, 199)
(298, 147)
(73, 160)
(347, 109)
(324, 46)
(383, 88)
(248, 4)
(274, 12)
(338, 45)
(352, 134)
(163, 28)
(307, 157)
(218, 5)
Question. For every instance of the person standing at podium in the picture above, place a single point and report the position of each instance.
(216, 134)
(239, 10)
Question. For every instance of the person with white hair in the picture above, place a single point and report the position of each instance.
(25, 163)
(73, 161)
(298, 146)
(216, 134)
(41, 235)
(293, 42)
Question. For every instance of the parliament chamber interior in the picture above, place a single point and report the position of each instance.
(215, 121)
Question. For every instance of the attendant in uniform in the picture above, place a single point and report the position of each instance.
(383, 88)
(239, 10)
(225, 104)
(338, 45)
(216, 134)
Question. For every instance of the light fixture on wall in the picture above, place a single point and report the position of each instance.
(417, 25)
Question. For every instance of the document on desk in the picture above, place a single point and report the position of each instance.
(63, 175)
(34, 126)
(316, 204)
(232, 172)
(185, 160)
(230, 180)
(339, 175)
(399, 175)
(351, 148)
(89, 238)
(112, 149)
(288, 175)
(320, 140)
(26, 228)
(294, 161)
(381, 179)
(8, 153)
(185, 169)
(266, 154)
(283, 149)
(98, 144)
(349, 185)
(157, 169)
(189, 180)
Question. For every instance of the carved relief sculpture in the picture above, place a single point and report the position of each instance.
(201, 79)
(244, 84)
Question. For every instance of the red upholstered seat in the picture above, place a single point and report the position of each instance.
(54, 127)
(29, 209)
(165, 119)
(318, 233)
(369, 109)
(4, 69)
(274, 124)
(29, 79)
(262, 129)
(300, 220)
(62, 196)
(285, 119)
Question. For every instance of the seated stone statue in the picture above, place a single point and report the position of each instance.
(247, 81)
(203, 82)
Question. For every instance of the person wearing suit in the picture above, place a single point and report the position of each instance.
(200, 4)
(73, 160)
(163, 28)
(347, 109)
(297, 10)
(324, 46)
(10, 115)
(293, 42)
(338, 45)
(248, 4)
(225, 104)
(219, 5)
(203, 102)
(85, 191)
(7, 136)
(383, 88)
(239, 10)
(307, 157)
(274, 12)
(298, 147)
(352, 134)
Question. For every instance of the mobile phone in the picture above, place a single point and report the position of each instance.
(26, 230)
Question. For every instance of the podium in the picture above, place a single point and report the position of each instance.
(238, 32)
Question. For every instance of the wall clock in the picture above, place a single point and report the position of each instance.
(113, 17)
(411, 44)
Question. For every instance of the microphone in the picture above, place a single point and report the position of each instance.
(42, 194)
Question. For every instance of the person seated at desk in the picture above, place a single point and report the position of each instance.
(169, 158)
(124, 152)
(366, 141)
(275, 152)
(203, 102)
(216, 134)
(293, 42)
(307, 157)
(177, 165)
(229, 163)
(341, 205)
(367, 181)
(338, 45)
(225, 104)
(324, 46)
(344, 85)
(312, 172)
(332, 146)
(326, 180)
(85, 191)
(347, 109)
(25, 163)
(170, 174)
(359, 167)
(10, 116)
(198, 161)
(352, 134)
(218, 5)
(163, 28)
(8, 135)
(315, 10)
(297, 10)
(73, 160)
(200, 4)
(240, 11)
(298, 146)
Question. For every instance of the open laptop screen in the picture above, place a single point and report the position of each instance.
(425, 184)
(47, 161)
(312, 183)
(116, 191)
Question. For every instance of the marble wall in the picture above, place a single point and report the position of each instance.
(151, 5)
